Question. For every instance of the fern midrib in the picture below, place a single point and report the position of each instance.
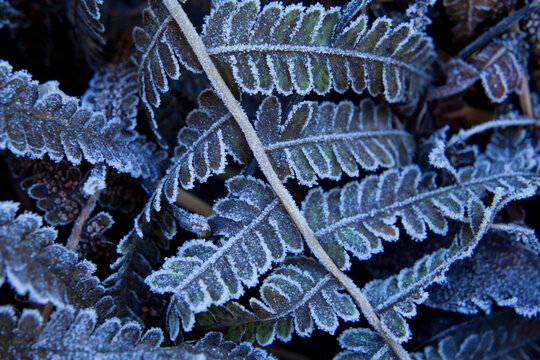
(287, 311)
(162, 27)
(311, 50)
(419, 198)
(224, 248)
(334, 137)
(205, 135)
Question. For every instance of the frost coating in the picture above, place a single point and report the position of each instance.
(325, 139)
(40, 119)
(256, 231)
(295, 298)
(361, 214)
(33, 264)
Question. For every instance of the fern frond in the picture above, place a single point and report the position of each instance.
(294, 297)
(289, 49)
(114, 90)
(500, 271)
(139, 252)
(89, 29)
(286, 49)
(210, 134)
(497, 66)
(361, 214)
(256, 231)
(71, 334)
(363, 344)
(163, 49)
(33, 264)
(501, 336)
(40, 119)
(325, 139)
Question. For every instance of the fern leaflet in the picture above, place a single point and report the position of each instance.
(294, 296)
(33, 264)
(323, 140)
(40, 119)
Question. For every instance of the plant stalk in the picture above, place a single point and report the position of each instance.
(257, 147)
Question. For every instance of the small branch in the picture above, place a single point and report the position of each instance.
(47, 311)
(282, 193)
(463, 135)
(525, 102)
(192, 203)
(75, 236)
(498, 29)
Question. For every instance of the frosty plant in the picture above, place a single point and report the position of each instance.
(320, 130)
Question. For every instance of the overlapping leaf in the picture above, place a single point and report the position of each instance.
(500, 271)
(71, 334)
(361, 214)
(501, 336)
(209, 135)
(497, 66)
(285, 49)
(40, 119)
(290, 49)
(294, 297)
(163, 49)
(325, 139)
(256, 231)
(33, 264)
(88, 28)
(140, 250)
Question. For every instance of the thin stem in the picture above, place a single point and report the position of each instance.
(498, 29)
(463, 135)
(75, 236)
(259, 153)
(192, 203)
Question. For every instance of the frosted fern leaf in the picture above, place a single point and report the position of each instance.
(255, 231)
(209, 135)
(325, 139)
(114, 90)
(395, 298)
(140, 251)
(497, 66)
(89, 29)
(363, 344)
(358, 216)
(294, 297)
(468, 14)
(40, 119)
(163, 49)
(500, 271)
(501, 336)
(71, 334)
(33, 264)
(290, 49)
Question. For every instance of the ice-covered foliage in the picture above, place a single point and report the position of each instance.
(361, 214)
(89, 28)
(325, 139)
(468, 14)
(327, 171)
(254, 231)
(295, 298)
(501, 336)
(501, 271)
(497, 66)
(48, 272)
(286, 49)
(40, 119)
(77, 334)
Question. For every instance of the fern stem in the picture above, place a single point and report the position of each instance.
(257, 147)
(463, 135)
(75, 236)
